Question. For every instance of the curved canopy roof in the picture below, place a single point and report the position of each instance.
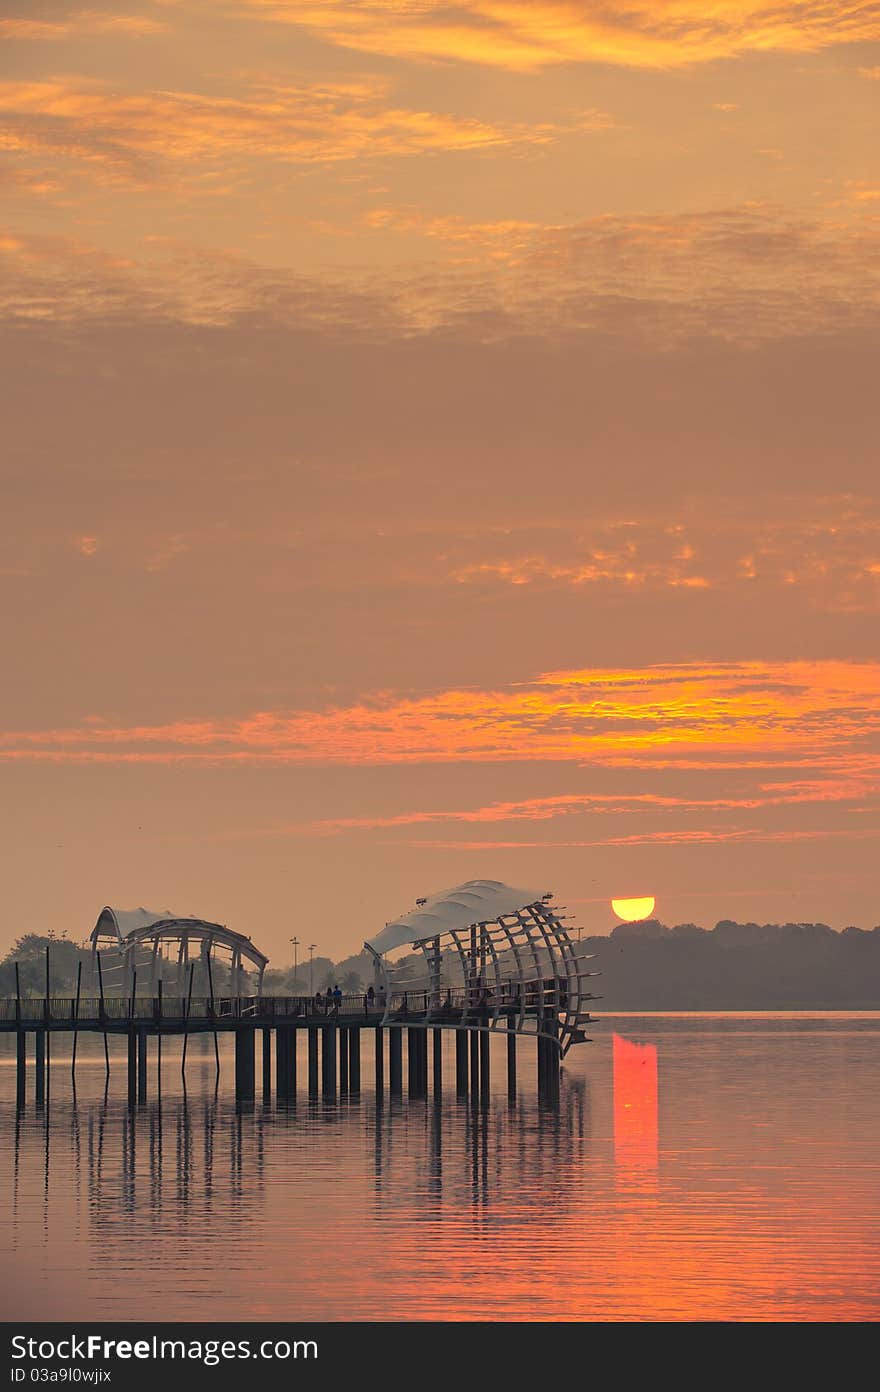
(475, 901)
(125, 921)
(131, 925)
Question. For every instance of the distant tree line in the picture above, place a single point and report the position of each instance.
(736, 966)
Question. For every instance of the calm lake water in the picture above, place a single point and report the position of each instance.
(697, 1167)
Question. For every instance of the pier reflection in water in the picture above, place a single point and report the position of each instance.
(744, 1187)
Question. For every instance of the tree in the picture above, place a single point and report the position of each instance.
(30, 954)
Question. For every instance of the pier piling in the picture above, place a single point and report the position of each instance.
(142, 1065)
(132, 1067)
(285, 1063)
(328, 1060)
(461, 1063)
(379, 1035)
(40, 1065)
(354, 1058)
(484, 1066)
(395, 1059)
(313, 1061)
(20, 1066)
(245, 1053)
(343, 1059)
(267, 1064)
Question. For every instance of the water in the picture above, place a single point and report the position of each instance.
(697, 1167)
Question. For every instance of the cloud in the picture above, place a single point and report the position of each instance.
(691, 837)
(827, 548)
(126, 135)
(853, 789)
(744, 274)
(523, 36)
(77, 25)
(730, 715)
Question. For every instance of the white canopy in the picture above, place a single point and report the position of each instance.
(125, 921)
(475, 901)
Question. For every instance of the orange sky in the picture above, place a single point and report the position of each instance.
(439, 442)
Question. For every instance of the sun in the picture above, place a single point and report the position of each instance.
(631, 910)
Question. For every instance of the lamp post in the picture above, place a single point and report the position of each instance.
(312, 947)
(295, 944)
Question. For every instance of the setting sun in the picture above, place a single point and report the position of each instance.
(631, 910)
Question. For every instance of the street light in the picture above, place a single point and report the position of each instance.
(295, 944)
(312, 947)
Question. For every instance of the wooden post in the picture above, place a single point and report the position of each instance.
(313, 1060)
(474, 1043)
(159, 1039)
(438, 1061)
(354, 1058)
(511, 1066)
(211, 1009)
(379, 1034)
(461, 1063)
(103, 1014)
(395, 1059)
(79, 969)
(186, 1024)
(43, 1073)
(17, 996)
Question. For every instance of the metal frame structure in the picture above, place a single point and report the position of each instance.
(520, 971)
(142, 939)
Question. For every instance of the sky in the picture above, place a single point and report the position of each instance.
(439, 443)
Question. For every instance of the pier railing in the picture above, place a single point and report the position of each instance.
(465, 1005)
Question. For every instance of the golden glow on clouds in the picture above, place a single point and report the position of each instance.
(318, 122)
(745, 275)
(522, 36)
(77, 25)
(822, 714)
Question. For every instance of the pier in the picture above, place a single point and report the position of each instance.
(517, 971)
(333, 1034)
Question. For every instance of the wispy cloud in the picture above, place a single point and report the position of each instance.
(130, 134)
(78, 24)
(851, 790)
(522, 36)
(691, 837)
(688, 715)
